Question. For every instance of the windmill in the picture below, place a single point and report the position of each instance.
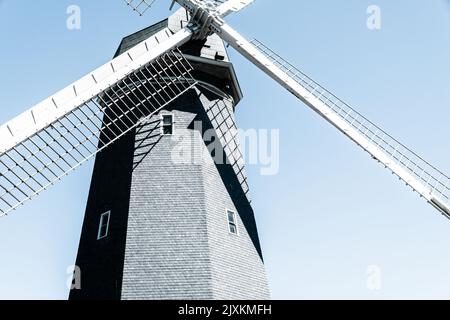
(152, 76)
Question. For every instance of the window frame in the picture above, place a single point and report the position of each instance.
(99, 236)
(172, 124)
(233, 223)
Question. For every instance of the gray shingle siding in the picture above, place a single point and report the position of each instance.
(237, 269)
(166, 254)
(178, 244)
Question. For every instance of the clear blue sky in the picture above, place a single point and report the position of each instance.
(331, 211)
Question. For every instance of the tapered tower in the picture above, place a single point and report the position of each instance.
(168, 214)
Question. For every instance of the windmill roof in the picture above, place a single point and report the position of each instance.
(201, 56)
(134, 39)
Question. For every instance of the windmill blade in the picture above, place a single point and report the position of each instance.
(45, 143)
(432, 184)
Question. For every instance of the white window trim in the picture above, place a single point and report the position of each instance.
(235, 222)
(162, 124)
(107, 225)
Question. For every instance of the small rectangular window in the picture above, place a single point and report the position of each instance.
(167, 124)
(232, 223)
(104, 225)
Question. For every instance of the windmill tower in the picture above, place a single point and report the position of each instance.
(168, 214)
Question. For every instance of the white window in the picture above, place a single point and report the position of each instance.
(232, 222)
(167, 124)
(104, 225)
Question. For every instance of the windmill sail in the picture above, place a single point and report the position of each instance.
(431, 183)
(45, 143)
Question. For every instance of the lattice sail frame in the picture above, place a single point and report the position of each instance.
(140, 6)
(437, 182)
(47, 156)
